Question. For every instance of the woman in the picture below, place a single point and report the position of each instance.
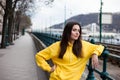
(69, 55)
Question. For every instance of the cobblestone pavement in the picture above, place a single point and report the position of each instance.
(17, 61)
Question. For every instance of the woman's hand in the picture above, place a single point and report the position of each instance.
(95, 62)
(53, 68)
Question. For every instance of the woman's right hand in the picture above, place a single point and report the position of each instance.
(95, 62)
(53, 68)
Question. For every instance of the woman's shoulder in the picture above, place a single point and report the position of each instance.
(85, 42)
(57, 43)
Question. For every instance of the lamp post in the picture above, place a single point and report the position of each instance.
(100, 21)
(65, 14)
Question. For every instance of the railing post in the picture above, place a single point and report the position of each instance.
(91, 72)
(105, 56)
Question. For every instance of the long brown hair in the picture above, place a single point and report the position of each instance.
(65, 39)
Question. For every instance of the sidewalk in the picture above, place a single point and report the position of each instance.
(17, 62)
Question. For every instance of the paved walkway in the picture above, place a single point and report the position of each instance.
(17, 61)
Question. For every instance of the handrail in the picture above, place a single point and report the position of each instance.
(104, 75)
(49, 39)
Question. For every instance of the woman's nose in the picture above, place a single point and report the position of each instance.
(77, 32)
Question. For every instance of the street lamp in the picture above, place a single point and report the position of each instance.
(100, 20)
(65, 14)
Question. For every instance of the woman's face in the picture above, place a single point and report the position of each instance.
(75, 33)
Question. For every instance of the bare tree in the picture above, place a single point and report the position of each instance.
(8, 20)
(11, 23)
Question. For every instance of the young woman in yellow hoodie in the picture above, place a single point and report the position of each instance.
(70, 55)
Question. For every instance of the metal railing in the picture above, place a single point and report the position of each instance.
(104, 74)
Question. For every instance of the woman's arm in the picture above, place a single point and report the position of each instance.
(94, 51)
(46, 54)
(95, 62)
(41, 62)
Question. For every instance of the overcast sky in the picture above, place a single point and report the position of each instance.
(60, 10)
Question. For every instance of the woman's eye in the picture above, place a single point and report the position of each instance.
(75, 29)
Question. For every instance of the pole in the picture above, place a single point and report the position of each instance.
(64, 15)
(100, 21)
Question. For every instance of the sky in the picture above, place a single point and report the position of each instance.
(59, 10)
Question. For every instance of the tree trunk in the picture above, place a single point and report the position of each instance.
(10, 27)
(4, 29)
(3, 42)
(10, 23)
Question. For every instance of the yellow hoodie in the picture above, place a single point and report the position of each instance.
(70, 67)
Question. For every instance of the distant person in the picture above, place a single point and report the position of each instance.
(70, 55)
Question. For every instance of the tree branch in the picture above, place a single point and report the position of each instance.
(2, 5)
(15, 2)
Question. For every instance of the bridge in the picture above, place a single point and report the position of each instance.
(17, 61)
